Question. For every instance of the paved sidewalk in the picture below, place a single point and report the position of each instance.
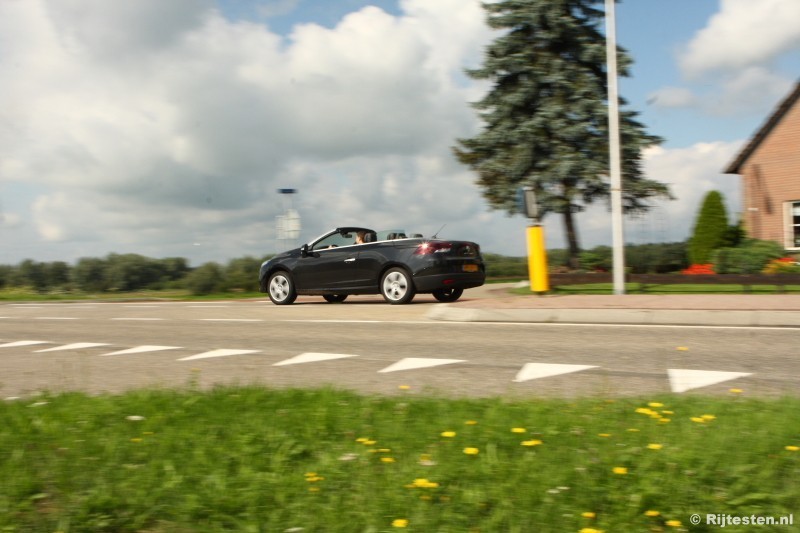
(492, 303)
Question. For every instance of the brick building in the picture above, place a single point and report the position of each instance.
(770, 168)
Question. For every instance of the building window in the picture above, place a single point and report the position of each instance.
(794, 223)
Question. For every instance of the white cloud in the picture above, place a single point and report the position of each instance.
(148, 130)
(737, 64)
(743, 34)
(673, 97)
(691, 173)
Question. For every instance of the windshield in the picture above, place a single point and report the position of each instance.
(347, 237)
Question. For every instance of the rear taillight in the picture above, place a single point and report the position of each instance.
(433, 248)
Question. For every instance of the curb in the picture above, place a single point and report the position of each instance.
(674, 317)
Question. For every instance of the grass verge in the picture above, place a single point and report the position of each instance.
(254, 459)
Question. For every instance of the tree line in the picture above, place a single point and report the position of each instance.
(132, 272)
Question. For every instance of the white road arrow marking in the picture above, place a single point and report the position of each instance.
(545, 370)
(22, 343)
(313, 357)
(681, 380)
(143, 349)
(411, 363)
(217, 353)
(73, 346)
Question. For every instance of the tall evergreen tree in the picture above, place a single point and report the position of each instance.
(546, 116)
(711, 229)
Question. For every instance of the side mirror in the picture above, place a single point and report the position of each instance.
(304, 251)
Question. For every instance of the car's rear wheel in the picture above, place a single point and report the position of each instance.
(448, 295)
(281, 288)
(397, 287)
(334, 298)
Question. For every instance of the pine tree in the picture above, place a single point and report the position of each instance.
(546, 116)
(711, 229)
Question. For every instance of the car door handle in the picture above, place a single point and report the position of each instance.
(350, 260)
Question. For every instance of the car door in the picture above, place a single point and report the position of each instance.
(332, 268)
(368, 264)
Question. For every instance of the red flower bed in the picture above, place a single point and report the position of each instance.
(699, 269)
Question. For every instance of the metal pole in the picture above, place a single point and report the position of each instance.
(617, 235)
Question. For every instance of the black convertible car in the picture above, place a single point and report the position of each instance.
(355, 260)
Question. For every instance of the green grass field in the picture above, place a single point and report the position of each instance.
(258, 460)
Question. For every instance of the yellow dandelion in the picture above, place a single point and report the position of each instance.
(673, 523)
(590, 530)
(682, 349)
(708, 417)
(655, 404)
(633, 430)
(362, 439)
(621, 470)
(404, 387)
(654, 446)
(792, 448)
(422, 483)
(369, 442)
(136, 439)
(532, 442)
(664, 420)
(384, 450)
(735, 391)
(517, 430)
(604, 435)
(471, 422)
(310, 474)
(399, 522)
(588, 514)
(645, 411)
(667, 413)
(448, 434)
(471, 451)
(698, 419)
(313, 489)
(387, 459)
(652, 513)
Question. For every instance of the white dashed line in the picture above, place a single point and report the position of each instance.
(545, 370)
(144, 319)
(682, 380)
(143, 349)
(230, 319)
(313, 357)
(412, 363)
(217, 353)
(73, 346)
(22, 343)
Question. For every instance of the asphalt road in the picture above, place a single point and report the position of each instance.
(369, 346)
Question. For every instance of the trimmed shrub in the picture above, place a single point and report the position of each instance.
(710, 230)
(749, 258)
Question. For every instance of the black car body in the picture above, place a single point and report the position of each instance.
(388, 263)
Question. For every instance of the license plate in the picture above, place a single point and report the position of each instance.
(470, 268)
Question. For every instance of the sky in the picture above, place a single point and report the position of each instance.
(167, 128)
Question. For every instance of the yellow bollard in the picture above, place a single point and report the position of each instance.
(537, 259)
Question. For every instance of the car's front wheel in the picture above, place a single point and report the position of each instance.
(448, 295)
(397, 287)
(281, 288)
(334, 298)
